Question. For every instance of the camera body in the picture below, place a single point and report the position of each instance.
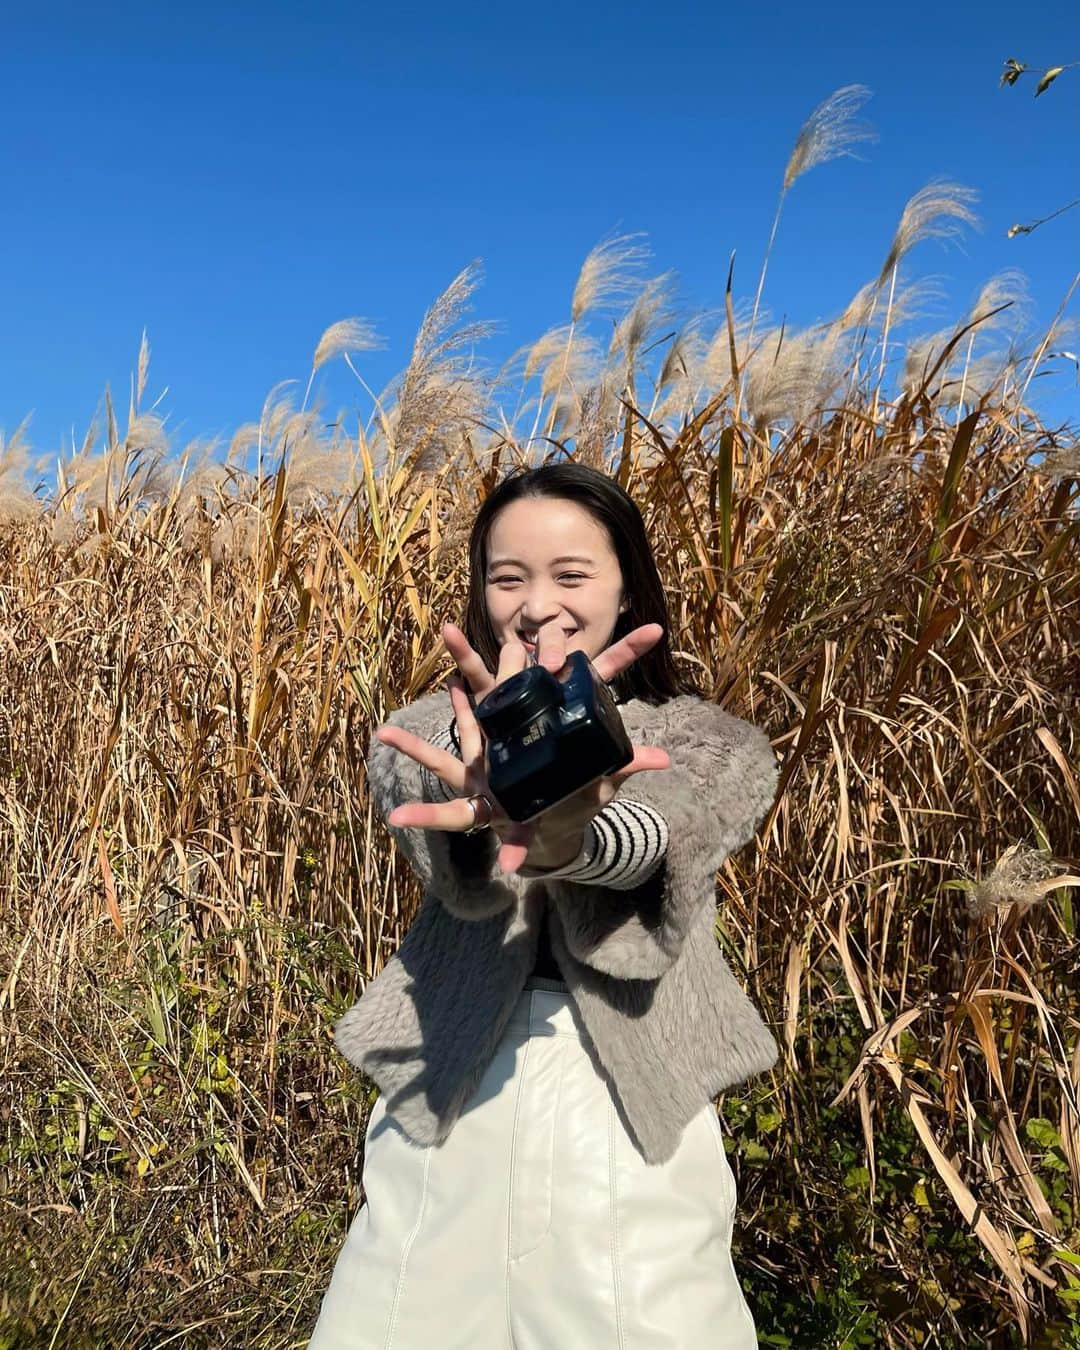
(548, 736)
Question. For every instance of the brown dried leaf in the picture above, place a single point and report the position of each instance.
(1048, 79)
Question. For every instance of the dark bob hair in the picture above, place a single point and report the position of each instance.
(653, 678)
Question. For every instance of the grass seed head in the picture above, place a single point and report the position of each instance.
(937, 211)
(1013, 882)
(608, 272)
(830, 130)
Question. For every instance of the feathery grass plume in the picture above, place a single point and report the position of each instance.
(978, 378)
(598, 423)
(235, 533)
(439, 411)
(1062, 332)
(829, 132)
(319, 470)
(297, 427)
(86, 476)
(608, 273)
(1061, 463)
(684, 352)
(64, 528)
(89, 438)
(17, 502)
(276, 411)
(1008, 287)
(562, 353)
(577, 362)
(442, 389)
(936, 211)
(651, 315)
(917, 298)
(795, 379)
(1016, 881)
(95, 544)
(980, 375)
(143, 369)
(205, 480)
(676, 384)
(715, 371)
(546, 346)
(243, 438)
(565, 416)
(920, 353)
(347, 335)
(653, 309)
(146, 431)
(909, 301)
(859, 309)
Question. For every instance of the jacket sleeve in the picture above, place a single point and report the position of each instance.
(721, 784)
(459, 869)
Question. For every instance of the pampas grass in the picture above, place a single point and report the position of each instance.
(609, 273)
(830, 131)
(936, 211)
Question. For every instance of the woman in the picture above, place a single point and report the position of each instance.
(544, 1168)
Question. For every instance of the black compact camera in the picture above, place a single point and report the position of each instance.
(549, 735)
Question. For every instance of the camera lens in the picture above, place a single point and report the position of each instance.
(518, 701)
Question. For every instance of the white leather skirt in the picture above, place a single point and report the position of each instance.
(536, 1224)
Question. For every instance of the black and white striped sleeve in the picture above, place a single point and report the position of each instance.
(624, 844)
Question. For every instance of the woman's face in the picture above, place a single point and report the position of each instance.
(551, 565)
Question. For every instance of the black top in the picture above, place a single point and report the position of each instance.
(545, 963)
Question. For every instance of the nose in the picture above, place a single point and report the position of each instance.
(537, 617)
(539, 609)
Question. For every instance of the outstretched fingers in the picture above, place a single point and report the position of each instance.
(448, 767)
(616, 658)
(468, 660)
(454, 815)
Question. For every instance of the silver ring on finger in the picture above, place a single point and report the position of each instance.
(481, 819)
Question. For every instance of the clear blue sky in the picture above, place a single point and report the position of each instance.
(234, 178)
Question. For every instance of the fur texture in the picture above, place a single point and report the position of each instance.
(666, 1022)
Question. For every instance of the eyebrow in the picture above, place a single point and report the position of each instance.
(566, 557)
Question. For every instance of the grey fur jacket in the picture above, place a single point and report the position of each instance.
(664, 1020)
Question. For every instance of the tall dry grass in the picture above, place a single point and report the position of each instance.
(193, 655)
